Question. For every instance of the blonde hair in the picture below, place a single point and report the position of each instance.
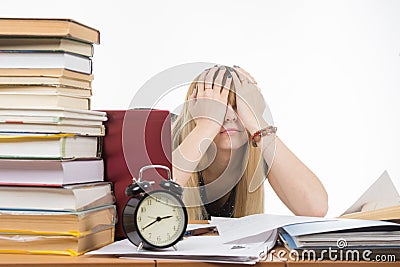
(247, 200)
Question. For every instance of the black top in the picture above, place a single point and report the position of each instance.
(226, 210)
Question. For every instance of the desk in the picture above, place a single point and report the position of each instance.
(16, 260)
(19, 260)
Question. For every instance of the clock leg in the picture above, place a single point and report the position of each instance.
(140, 247)
(175, 248)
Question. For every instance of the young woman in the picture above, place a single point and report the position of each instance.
(224, 149)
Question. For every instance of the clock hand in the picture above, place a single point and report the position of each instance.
(156, 220)
(165, 217)
(153, 222)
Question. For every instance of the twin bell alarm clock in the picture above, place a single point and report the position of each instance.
(154, 219)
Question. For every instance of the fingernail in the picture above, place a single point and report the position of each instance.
(229, 75)
(215, 65)
(230, 69)
(236, 66)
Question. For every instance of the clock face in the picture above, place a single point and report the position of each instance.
(161, 219)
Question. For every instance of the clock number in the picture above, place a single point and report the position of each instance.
(139, 218)
(150, 235)
(142, 209)
(149, 201)
(168, 236)
(159, 238)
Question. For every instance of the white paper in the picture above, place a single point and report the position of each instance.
(204, 248)
(250, 226)
(381, 193)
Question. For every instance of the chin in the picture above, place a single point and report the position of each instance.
(231, 143)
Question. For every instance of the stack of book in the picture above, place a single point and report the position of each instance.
(53, 198)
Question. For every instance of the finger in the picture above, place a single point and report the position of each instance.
(228, 82)
(208, 82)
(200, 81)
(241, 76)
(193, 94)
(245, 74)
(218, 80)
(236, 80)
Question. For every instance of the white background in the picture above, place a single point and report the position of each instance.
(329, 70)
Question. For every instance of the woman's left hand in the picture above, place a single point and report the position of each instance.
(250, 102)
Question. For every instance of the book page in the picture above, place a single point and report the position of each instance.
(382, 193)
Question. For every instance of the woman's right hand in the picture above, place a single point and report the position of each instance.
(208, 102)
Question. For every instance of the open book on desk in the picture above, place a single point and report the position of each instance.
(381, 201)
(343, 239)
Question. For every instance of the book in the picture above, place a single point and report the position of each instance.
(49, 77)
(42, 72)
(57, 222)
(126, 150)
(54, 112)
(50, 172)
(26, 100)
(49, 120)
(55, 244)
(51, 60)
(391, 213)
(348, 239)
(44, 80)
(381, 201)
(17, 127)
(45, 27)
(76, 197)
(49, 146)
(11, 44)
(45, 89)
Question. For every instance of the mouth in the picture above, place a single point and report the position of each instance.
(230, 131)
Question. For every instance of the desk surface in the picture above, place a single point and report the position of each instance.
(16, 260)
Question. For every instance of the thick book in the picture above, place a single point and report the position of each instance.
(46, 44)
(54, 112)
(28, 100)
(48, 27)
(46, 90)
(49, 146)
(135, 138)
(50, 172)
(391, 213)
(50, 120)
(76, 197)
(45, 77)
(342, 239)
(56, 244)
(51, 60)
(57, 222)
(381, 201)
(18, 127)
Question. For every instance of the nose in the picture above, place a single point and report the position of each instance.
(230, 114)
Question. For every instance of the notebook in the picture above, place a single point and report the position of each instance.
(135, 138)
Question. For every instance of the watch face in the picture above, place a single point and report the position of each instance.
(161, 219)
